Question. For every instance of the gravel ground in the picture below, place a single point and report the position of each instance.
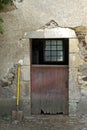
(46, 123)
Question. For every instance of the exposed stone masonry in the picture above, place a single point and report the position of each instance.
(81, 33)
(8, 83)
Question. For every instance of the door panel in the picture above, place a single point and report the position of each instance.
(49, 89)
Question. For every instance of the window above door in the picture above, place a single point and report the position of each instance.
(50, 51)
(53, 51)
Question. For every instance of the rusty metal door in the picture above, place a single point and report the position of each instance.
(49, 89)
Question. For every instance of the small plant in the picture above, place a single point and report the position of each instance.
(2, 3)
(1, 28)
(6, 1)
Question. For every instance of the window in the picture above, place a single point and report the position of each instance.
(50, 51)
(53, 51)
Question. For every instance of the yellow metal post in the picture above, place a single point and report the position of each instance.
(18, 87)
(18, 115)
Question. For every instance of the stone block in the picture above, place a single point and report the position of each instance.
(17, 115)
(26, 44)
(25, 89)
(73, 45)
(75, 60)
(14, 115)
(25, 73)
(72, 108)
(74, 91)
(26, 107)
(35, 34)
(26, 60)
(73, 73)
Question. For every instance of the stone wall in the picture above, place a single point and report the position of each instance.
(28, 16)
(31, 15)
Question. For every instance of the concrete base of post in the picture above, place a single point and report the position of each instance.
(17, 115)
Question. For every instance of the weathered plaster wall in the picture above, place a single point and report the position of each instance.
(29, 16)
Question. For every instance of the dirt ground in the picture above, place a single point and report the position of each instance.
(46, 123)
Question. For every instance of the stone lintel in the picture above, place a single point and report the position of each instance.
(58, 32)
